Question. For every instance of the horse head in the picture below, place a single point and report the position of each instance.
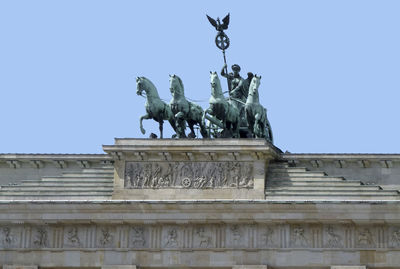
(216, 89)
(253, 89)
(176, 86)
(144, 84)
(139, 85)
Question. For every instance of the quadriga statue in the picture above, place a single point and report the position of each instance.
(256, 114)
(156, 109)
(184, 111)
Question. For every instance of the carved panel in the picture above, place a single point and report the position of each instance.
(333, 236)
(41, 237)
(203, 237)
(10, 236)
(106, 236)
(394, 237)
(200, 236)
(172, 237)
(365, 237)
(138, 237)
(193, 175)
(74, 236)
(300, 236)
(268, 236)
(237, 236)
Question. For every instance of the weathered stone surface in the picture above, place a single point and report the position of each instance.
(228, 226)
(13, 266)
(183, 169)
(348, 267)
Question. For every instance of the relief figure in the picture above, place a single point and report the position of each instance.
(72, 236)
(204, 240)
(40, 238)
(106, 237)
(171, 239)
(138, 236)
(365, 237)
(333, 238)
(299, 237)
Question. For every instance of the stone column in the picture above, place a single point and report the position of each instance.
(249, 267)
(118, 267)
(7, 266)
(348, 267)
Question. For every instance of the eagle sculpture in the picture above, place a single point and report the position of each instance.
(217, 24)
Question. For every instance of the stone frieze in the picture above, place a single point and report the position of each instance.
(200, 236)
(190, 175)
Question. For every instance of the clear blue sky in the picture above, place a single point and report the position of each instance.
(330, 69)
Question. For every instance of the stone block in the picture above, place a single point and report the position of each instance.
(6, 266)
(117, 267)
(348, 267)
(249, 267)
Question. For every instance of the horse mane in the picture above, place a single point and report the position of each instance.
(153, 88)
(149, 82)
(180, 83)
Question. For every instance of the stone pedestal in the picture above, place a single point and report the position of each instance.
(171, 169)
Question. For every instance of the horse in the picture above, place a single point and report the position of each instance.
(184, 111)
(221, 109)
(256, 114)
(156, 109)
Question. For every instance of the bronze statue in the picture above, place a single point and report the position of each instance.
(185, 111)
(156, 109)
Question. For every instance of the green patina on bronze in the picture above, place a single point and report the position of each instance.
(238, 116)
(185, 111)
(256, 114)
(156, 109)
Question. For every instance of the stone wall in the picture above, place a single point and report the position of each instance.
(380, 169)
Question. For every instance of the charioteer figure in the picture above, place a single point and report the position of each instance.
(238, 89)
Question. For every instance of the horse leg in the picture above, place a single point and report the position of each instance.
(192, 133)
(144, 117)
(161, 123)
(235, 129)
(172, 122)
(203, 130)
(180, 124)
(258, 126)
(203, 118)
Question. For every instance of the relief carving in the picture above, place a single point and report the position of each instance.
(196, 175)
(171, 239)
(365, 237)
(334, 240)
(138, 239)
(203, 239)
(236, 235)
(267, 237)
(40, 238)
(72, 236)
(106, 238)
(298, 237)
(396, 237)
(8, 237)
